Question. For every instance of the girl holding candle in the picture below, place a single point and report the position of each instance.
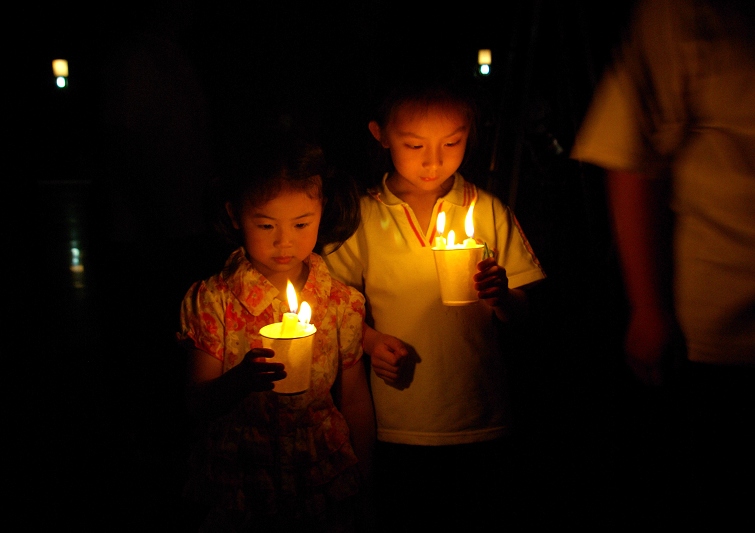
(437, 371)
(268, 461)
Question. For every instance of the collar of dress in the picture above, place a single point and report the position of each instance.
(256, 293)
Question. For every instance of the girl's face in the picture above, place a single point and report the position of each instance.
(280, 235)
(427, 146)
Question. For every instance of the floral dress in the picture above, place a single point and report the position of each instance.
(274, 455)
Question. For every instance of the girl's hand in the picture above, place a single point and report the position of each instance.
(262, 374)
(491, 283)
(492, 286)
(386, 354)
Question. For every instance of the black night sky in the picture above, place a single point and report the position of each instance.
(102, 436)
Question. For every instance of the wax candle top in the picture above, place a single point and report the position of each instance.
(450, 244)
(294, 325)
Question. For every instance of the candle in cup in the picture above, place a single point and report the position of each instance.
(292, 342)
(290, 319)
(456, 265)
(293, 324)
(450, 243)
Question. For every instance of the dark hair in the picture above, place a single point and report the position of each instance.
(258, 169)
(421, 90)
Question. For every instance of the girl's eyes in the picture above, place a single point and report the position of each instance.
(419, 146)
(300, 225)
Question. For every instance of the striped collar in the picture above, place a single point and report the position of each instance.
(462, 193)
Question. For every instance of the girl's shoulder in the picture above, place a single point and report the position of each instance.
(345, 292)
(331, 292)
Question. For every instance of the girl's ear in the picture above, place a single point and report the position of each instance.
(375, 130)
(232, 215)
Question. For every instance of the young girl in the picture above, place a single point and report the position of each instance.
(437, 374)
(268, 461)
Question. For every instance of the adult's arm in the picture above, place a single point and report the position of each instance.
(642, 228)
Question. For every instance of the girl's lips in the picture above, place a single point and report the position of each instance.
(282, 260)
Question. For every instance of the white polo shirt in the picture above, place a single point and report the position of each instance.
(455, 392)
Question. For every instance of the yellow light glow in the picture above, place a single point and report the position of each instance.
(440, 223)
(305, 314)
(293, 304)
(60, 68)
(468, 225)
(484, 56)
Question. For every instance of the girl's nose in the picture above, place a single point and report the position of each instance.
(283, 238)
(433, 158)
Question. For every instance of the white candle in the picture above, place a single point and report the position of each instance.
(289, 324)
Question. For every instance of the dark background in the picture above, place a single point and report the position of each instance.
(115, 166)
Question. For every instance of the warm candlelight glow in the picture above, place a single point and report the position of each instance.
(290, 320)
(440, 225)
(468, 225)
(442, 243)
(305, 313)
(469, 229)
(293, 304)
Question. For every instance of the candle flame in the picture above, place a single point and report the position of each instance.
(305, 314)
(451, 237)
(293, 304)
(440, 223)
(468, 225)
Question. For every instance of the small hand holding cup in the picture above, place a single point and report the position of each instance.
(492, 287)
(262, 373)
